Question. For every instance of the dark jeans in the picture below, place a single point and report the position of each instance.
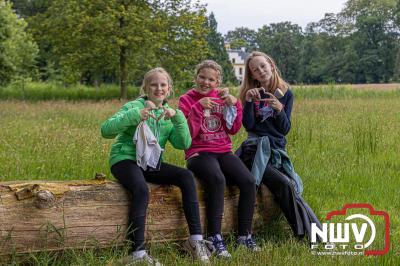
(134, 179)
(214, 170)
(294, 207)
(296, 210)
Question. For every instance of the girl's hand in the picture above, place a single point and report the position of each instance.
(223, 91)
(168, 113)
(253, 94)
(207, 102)
(146, 113)
(229, 99)
(150, 105)
(274, 102)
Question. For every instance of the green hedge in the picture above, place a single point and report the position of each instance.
(341, 92)
(36, 91)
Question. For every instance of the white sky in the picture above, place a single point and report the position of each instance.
(256, 13)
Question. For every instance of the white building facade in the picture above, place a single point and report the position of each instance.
(237, 57)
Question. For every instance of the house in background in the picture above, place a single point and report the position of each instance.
(237, 57)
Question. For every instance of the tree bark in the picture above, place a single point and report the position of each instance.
(40, 215)
(123, 74)
(122, 62)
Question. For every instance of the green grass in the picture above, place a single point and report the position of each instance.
(345, 149)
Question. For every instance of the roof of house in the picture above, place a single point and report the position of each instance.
(242, 54)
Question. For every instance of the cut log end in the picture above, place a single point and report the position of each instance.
(44, 199)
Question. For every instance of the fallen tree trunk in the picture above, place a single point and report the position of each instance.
(49, 215)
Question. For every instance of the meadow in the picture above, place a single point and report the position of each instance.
(344, 143)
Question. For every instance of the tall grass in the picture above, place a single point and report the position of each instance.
(38, 91)
(345, 149)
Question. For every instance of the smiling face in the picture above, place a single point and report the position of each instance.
(260, 69)
(206, 80)
(158, 88)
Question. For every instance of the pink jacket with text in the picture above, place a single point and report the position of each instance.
(209, 133)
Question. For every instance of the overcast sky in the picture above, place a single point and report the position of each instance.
(256, 13)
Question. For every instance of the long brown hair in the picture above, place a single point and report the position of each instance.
(250, 83)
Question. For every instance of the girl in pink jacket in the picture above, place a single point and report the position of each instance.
(212, 116)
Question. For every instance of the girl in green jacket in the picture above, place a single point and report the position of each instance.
(166, 124)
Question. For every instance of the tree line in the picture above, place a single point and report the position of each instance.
(103, 41)
(358, 45)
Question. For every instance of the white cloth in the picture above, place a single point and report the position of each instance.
(148, 151)
(230, 113)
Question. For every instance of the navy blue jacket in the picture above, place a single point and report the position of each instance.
(275, 127)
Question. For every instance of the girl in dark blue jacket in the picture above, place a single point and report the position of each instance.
(268, 102)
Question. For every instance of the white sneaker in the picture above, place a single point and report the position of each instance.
(198, 250)
(133, 260)
(217, 246)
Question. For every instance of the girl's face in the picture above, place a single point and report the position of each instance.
(260, 69)
(158, 89)
(206, 80)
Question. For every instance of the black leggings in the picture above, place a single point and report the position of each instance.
(296, 210)
(133, 178)
(214, 170)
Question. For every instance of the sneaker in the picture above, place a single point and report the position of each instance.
(198, 250)
(133, 260)
(217, 245)
(248, 243)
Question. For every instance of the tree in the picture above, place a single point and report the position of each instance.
(181, 38)
(242, 37)
(282, 41)
(217, 49)
(396, 75)
(326, 56)
(397, 15)
(374, 36)
(311, 55)
(17, 49)
(6, 68)
(124, 38)
(33, 12)
(28, 8)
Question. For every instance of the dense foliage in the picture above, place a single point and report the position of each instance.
(217, 50)
(94, 42)
(361, 44)
(17, 49)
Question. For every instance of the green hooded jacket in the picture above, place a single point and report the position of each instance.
(123, 126)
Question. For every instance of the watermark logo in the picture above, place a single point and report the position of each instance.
(356, 229)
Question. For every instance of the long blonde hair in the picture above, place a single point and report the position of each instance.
(250, 83)
(149, 74)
